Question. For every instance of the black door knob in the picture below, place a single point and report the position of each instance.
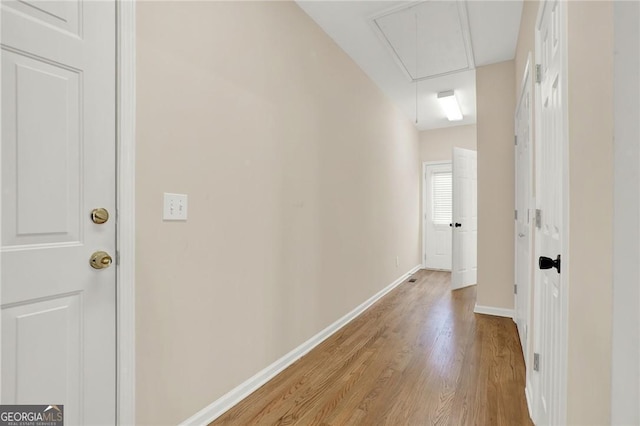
(451, 224)
(548, 263)
(458, 225)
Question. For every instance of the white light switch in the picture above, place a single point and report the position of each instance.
(175, 207)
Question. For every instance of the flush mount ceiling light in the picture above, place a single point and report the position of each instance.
(450, 105)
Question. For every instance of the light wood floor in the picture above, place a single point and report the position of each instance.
(419, 356)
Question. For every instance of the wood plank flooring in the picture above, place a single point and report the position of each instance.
(419, 356)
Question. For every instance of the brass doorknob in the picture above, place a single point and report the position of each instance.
(100, 260)
(99, 215)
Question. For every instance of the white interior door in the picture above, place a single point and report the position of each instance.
(523, 220)
(438, 191)
(465, 218)
(58, 164)
(550, 295)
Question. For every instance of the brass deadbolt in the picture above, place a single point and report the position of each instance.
(99, 215)
(100, 260)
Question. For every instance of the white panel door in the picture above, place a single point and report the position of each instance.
(465, 218)
(437, 223)
(550, 296)
(58, 164)
(523, 220)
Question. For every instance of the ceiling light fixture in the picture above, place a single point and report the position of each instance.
(450, 105)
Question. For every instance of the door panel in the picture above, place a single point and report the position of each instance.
(58, 164)
(63, 15)
(52, 327)
(465, 218)
(40, 174)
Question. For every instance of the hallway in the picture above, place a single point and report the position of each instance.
(420, 356)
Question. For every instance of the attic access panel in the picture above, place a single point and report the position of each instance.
(429, 39)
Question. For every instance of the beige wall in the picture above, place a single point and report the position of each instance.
(303, 185)
(495, 100)
(437, 144)
(590, 84)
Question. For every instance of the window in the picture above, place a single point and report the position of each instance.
(441, 187)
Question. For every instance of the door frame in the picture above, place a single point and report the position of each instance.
(562, 368)
(125, 202)
(527, 80)
(426, 164)
(125, 210)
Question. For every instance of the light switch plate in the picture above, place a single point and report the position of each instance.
(175, 207)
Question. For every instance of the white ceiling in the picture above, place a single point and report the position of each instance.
(435, 44)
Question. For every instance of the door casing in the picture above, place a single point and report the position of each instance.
(125, 230)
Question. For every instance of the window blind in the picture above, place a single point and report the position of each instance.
(441, 187)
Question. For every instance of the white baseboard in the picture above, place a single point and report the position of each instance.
(528, 396)
(234, 396)
(490, 310)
